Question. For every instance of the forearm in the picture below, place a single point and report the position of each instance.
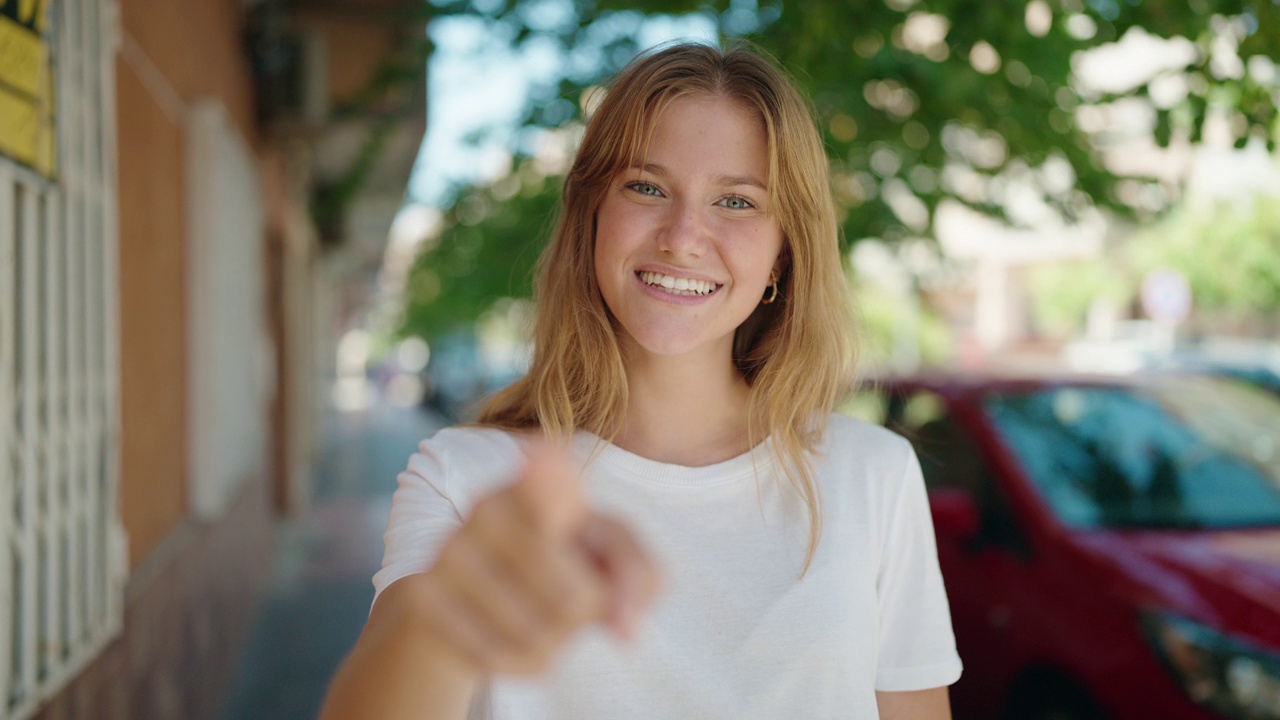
(396, 673)
(931, 704)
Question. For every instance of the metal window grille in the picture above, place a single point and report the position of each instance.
(62, 549)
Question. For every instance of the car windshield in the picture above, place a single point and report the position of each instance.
(1184, 452)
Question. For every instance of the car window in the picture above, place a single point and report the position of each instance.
(948, 457)
(1190, 452)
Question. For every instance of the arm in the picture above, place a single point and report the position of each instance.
(917, 648)
(931, 704)
(529, 568)
(398, 670)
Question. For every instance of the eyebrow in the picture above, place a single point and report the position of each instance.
(656, 169)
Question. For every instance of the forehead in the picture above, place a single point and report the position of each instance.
(698, 131)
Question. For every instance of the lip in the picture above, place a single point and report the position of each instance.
(664, 296)
(676, 273)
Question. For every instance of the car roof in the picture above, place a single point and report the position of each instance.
(969, 382)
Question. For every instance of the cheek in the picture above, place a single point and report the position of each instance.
(605, 222)
(604, 257)
(756, 254)
(602, 237)
(616, 239)
(607, 258)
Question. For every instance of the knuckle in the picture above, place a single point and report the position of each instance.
(526, 665)
(531, 656)
(488, 645)
(530, 627)
(560, 592)
(580, 606)
(540, 663)
(546, 644)
(486, 657)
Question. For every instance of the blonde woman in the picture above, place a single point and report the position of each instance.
(664, 519)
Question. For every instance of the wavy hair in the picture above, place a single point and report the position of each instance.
(796, 354)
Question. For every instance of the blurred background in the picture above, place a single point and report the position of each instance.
(251, 251)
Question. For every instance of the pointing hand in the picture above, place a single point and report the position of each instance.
(530, 567)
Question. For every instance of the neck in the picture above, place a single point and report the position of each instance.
(689, 410)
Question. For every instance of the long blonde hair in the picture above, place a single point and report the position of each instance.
(796, 354)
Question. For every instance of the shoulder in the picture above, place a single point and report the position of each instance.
(861, 465)
(472, 442)
(857, 443)
(469, 461)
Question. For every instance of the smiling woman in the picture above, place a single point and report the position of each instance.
(695, 219)
(675, 430)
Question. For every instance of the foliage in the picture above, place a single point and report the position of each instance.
(919, 101)
(883, 319)
(492, 237)
(390, 97)
(1062, 294)
(1229, 253)
(991, 101)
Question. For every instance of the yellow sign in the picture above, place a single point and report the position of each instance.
(27, 131)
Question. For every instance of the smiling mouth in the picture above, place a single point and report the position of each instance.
(678, 286)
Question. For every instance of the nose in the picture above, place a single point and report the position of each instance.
(685, 232)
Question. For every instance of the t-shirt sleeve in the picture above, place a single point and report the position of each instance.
(917, 647)
(423, 514)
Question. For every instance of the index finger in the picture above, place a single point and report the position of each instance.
(631, 575)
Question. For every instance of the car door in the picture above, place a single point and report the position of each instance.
(990, 574)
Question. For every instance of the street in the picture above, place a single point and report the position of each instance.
(321, 590)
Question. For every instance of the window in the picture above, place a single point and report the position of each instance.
(62, 550)
(1172, 453)
(951, 458)
(947, 457)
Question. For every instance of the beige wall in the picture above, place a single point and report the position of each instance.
(152, 320)
(355, 48)
(172, 55)
(193, 586)
(199, 48)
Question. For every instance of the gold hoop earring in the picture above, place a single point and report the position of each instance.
(773, 291)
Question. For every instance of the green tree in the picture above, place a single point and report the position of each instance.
(920, 101)
(492, 238)
(1229, 253)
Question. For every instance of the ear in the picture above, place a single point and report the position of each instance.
(783, 262)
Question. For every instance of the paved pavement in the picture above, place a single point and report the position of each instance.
(321, 591)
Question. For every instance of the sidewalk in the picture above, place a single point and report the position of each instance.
(321, 591)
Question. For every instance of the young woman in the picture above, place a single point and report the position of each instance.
(670, 468)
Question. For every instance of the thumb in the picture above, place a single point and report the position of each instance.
(550, 487)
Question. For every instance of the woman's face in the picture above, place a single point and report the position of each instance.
(685, 244)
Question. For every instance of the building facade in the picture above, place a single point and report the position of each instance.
(167, 304)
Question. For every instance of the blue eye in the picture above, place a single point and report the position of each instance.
(645, 188)
(737, 202)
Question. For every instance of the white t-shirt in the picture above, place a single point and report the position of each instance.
(734, 634)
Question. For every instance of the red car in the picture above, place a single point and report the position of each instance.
(1111, 547)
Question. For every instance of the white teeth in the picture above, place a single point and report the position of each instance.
(678, 286)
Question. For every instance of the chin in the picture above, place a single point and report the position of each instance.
(676, 344)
